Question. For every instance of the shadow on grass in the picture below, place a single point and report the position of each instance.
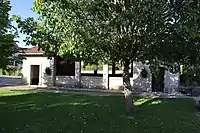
(53, 113)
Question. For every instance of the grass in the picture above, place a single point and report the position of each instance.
(27, 112)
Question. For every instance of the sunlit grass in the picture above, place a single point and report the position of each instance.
(11, 92)
(143, 100)
(6, 92)
(155, 102)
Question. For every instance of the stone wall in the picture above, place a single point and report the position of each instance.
(92, 82)
(140, 83)
(67, 81)
(171, 82)
(115, 83)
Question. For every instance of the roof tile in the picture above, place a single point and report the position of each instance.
(33, 50)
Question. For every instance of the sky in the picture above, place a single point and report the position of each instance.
(23, 9)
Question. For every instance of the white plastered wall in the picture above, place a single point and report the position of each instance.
(43, 63)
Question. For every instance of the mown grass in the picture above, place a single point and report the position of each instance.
(27, 112)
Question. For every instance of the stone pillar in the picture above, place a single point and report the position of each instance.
(78, 74)
(105, 77)
(132, 72)
(133, 67)
(51, 79)
(41, 76)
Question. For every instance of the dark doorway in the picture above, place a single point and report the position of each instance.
(65, 67)
(35, 69)
(158, 80)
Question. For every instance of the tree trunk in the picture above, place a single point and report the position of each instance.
(54, 71)
(113, 68)
(127, 88)
(95, 69)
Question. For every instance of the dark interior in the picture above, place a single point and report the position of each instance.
(34, 74)
(158, 80)
(65, 67)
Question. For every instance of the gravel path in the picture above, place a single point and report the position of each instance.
(5, 81)
(15, 84)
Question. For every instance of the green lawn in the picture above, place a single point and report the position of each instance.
(22, 112)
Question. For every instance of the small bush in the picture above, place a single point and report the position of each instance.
(11, 71)
(20, 74)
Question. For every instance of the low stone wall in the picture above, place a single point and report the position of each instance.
(86, 81)
(115, 83)
(92, 82)
(67, 81)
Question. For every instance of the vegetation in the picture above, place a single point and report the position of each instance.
(6, 35)
(190, 75)
(42, 33)
(31, 112)
(49, 32)
(10, 72)
(157, 33)
(92, 67)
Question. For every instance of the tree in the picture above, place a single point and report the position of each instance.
(47, 31)
(6, 36)
(119, 30)
(186, 16)
(107, 30)
(125, 31)
(153, 32)
(39, 35)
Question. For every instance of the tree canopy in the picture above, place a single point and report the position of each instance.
(6, 35)
(153, 32)
(156, 32)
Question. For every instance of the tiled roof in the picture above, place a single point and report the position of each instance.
(33, 50)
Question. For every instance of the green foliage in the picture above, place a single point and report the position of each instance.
(10, 72)
(20, 74)
(48, 31)
(128, 31)
(6, 35)
(38, 35)
(186, 18)
(92, 67)
(152, 32)
(191, 75)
